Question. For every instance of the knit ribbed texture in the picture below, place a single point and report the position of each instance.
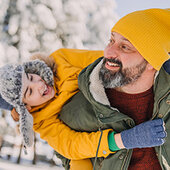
(144, 135)
(149, 31)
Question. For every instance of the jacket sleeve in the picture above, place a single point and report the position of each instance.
(5, 105)
(69, 143)
(72, 144)
(76, 57)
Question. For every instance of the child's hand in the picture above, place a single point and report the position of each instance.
(15, 115)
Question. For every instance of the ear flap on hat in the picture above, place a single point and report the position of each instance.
(10, 89)
(40, 67)
(26, 125)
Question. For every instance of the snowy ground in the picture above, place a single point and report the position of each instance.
(6, 165)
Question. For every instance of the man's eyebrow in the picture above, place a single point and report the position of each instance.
(112, 34)
(125, 39)
(27, 87)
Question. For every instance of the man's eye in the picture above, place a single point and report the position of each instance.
(111, 41)
(125, 47)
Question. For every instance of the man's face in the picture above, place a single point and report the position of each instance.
(122, 64)
(35, 90)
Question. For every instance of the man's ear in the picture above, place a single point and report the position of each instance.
(28, 107)
(150, 67)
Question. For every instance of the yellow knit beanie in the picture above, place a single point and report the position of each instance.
(149, 32)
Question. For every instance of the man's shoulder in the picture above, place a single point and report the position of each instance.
(166, 66)
(162, 82)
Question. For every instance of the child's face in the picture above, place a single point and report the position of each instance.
(35, 90)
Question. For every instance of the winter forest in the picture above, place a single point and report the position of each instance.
(31, 26)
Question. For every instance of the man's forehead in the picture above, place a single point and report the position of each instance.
(117, 35)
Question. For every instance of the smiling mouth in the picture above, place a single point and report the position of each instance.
(112, 64)
(46, 90)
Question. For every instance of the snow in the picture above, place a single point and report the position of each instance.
(2, 54)
(45, 25)
(5, 165)
(13, 24)
(45, 16)
(12, 54)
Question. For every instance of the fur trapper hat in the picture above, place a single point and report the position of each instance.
(11, 90)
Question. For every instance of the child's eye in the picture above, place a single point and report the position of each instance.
(31, 79)
(30, 92)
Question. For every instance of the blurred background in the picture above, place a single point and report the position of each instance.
(30, 26)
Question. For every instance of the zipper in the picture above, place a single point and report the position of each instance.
(125, 159)
(95, 160)
(156, 113)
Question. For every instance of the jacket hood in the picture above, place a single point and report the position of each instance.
(90, 85)
(161, 90)
(93, 90)
(162, 83)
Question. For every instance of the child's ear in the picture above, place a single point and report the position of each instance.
(28, 107)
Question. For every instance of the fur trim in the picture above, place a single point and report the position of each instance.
(11, 83)
(48, 60)
(26, 125)
(96, 86)
(40, 67)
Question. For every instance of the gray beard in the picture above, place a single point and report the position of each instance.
(122, 77)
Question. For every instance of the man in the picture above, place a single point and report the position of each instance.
(127, 87)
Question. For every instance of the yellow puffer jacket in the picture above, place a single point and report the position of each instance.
(69, 143)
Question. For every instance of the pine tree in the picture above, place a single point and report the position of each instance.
(29, 26)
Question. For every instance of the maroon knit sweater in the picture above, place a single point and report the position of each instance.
(139, 107)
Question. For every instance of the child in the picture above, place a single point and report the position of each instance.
(45, 121)
(33, 85)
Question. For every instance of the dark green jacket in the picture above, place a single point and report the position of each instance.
(90, 110)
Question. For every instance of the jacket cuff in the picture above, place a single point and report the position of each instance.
(104, 150)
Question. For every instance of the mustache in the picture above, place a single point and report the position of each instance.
(113, 60)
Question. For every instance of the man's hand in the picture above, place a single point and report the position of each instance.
(15, 115)
(147, 134)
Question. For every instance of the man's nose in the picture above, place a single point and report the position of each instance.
(112, 52)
